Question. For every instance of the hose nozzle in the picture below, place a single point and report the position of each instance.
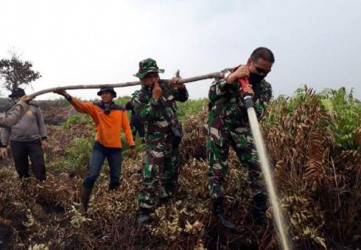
(247, 98)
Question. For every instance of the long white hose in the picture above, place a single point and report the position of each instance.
(263, 159)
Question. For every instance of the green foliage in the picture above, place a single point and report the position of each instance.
(76, 158)
(122, 100)
(185, 109)
(275, 110)
(14, 72)
(284, 105)
(345, 111)
(76, 119)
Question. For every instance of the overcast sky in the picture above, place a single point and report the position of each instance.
(71, 42)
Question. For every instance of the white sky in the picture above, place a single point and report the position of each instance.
(71, 42)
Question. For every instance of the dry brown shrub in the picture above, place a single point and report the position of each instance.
(319, 189)
(342, 198)
(60, 138)
(300, 148)
(318, 182)
(195, 136)
(47, 213)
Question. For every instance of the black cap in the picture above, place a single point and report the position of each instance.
(110, 89)
(18, 92)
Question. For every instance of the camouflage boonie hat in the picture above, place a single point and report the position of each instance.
(147, 66)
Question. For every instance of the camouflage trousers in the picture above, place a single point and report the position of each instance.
(217, 149)
(161, 170)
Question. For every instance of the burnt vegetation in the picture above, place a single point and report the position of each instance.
(313, 142)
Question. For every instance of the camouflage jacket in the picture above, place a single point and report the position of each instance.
(226, 108)
(150, 110)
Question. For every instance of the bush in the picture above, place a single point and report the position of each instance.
(78, 119)
(345, 111)
(76, 158)
(191, 107)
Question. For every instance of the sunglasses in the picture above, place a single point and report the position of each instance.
(260, 70)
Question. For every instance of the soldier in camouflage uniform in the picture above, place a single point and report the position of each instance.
(228, 125)
(155, 103)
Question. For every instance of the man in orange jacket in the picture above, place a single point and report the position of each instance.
(109, 119)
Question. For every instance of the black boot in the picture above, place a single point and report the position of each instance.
(259, 208)
(167, 192)
(113, 187)
(85, 196)
(143, 215)
(259, 217)
(218, 211)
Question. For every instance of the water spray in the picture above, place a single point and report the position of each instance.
(264, 161)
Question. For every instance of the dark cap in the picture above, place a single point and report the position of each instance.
(110, 89)
(18, 92)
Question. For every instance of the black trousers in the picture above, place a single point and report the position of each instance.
(22, 150)
(138, 128)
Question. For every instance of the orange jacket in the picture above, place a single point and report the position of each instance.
(108, 127)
